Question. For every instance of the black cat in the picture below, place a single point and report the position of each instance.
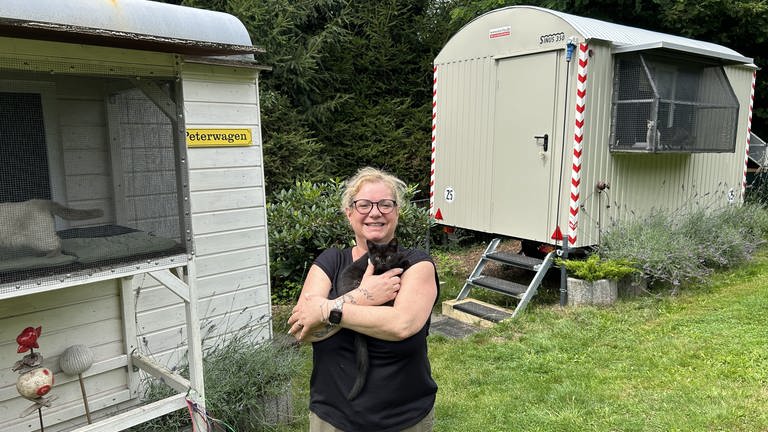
(383, 257)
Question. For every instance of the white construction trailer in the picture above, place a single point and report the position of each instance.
(548, 125)
(148, 113)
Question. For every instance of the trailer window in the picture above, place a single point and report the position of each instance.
(663, 104)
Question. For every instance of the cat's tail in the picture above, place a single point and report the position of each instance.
(361, 355)
(74, 214)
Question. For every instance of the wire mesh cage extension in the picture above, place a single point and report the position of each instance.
(663, 104)
(90, 184)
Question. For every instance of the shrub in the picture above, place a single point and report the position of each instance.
(244, 379)
(306, 219)
(658, 249)
(678, 248)
(447, 264)
(757, 189)
(302, 221)
(594, 268)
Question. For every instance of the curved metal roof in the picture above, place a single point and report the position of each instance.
(626, 39)
(138, 24)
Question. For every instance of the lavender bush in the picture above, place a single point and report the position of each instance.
(675, 248)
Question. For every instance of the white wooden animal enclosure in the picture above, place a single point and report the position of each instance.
(148, 114)
(546, 122)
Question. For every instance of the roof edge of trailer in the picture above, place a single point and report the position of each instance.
(672, 46)
(133, 24)
(626, 39)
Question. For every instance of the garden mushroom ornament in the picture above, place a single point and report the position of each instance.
(74, 361)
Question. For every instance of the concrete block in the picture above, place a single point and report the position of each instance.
(599, 292)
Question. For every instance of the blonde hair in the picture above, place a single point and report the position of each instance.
(372, 175)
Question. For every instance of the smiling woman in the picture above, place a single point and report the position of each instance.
(399, 392)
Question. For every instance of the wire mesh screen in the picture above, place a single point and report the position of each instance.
(148, 165)
(21, 115)
(103, 192)
(667, 105)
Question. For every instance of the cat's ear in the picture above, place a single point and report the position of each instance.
(393, 242)
(370, 244)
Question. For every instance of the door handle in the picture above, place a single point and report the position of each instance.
(544, 137)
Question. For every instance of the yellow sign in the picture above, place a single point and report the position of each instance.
(219, 137)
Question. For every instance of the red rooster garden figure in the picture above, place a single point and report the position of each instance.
(35, 381)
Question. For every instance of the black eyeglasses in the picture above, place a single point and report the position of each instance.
(364, 206)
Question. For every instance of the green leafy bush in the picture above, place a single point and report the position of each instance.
(447, 264)
(594, 268)
(306, 219)
(302, 221)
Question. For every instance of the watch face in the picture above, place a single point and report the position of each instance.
(335, 316)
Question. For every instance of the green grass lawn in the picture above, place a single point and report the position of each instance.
(694, 362)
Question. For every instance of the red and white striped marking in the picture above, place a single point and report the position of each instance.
(434, 141)
(578, 136)
(749, 136)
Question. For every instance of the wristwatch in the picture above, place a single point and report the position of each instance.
(334, 316)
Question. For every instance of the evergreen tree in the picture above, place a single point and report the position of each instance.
(351, 82)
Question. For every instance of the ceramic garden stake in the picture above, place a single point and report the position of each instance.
(35, 381)
(74, 361)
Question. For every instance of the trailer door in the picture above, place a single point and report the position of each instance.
(523, 171)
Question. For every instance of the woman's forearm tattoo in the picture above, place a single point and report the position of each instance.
(365, 293)
(324, 332)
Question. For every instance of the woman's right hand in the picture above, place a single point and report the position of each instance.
(377, 289)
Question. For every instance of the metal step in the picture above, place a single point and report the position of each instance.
(509, 288)
(521, 292)
(516, 260)
(482, 311)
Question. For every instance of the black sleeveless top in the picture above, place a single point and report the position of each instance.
(399, 391)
